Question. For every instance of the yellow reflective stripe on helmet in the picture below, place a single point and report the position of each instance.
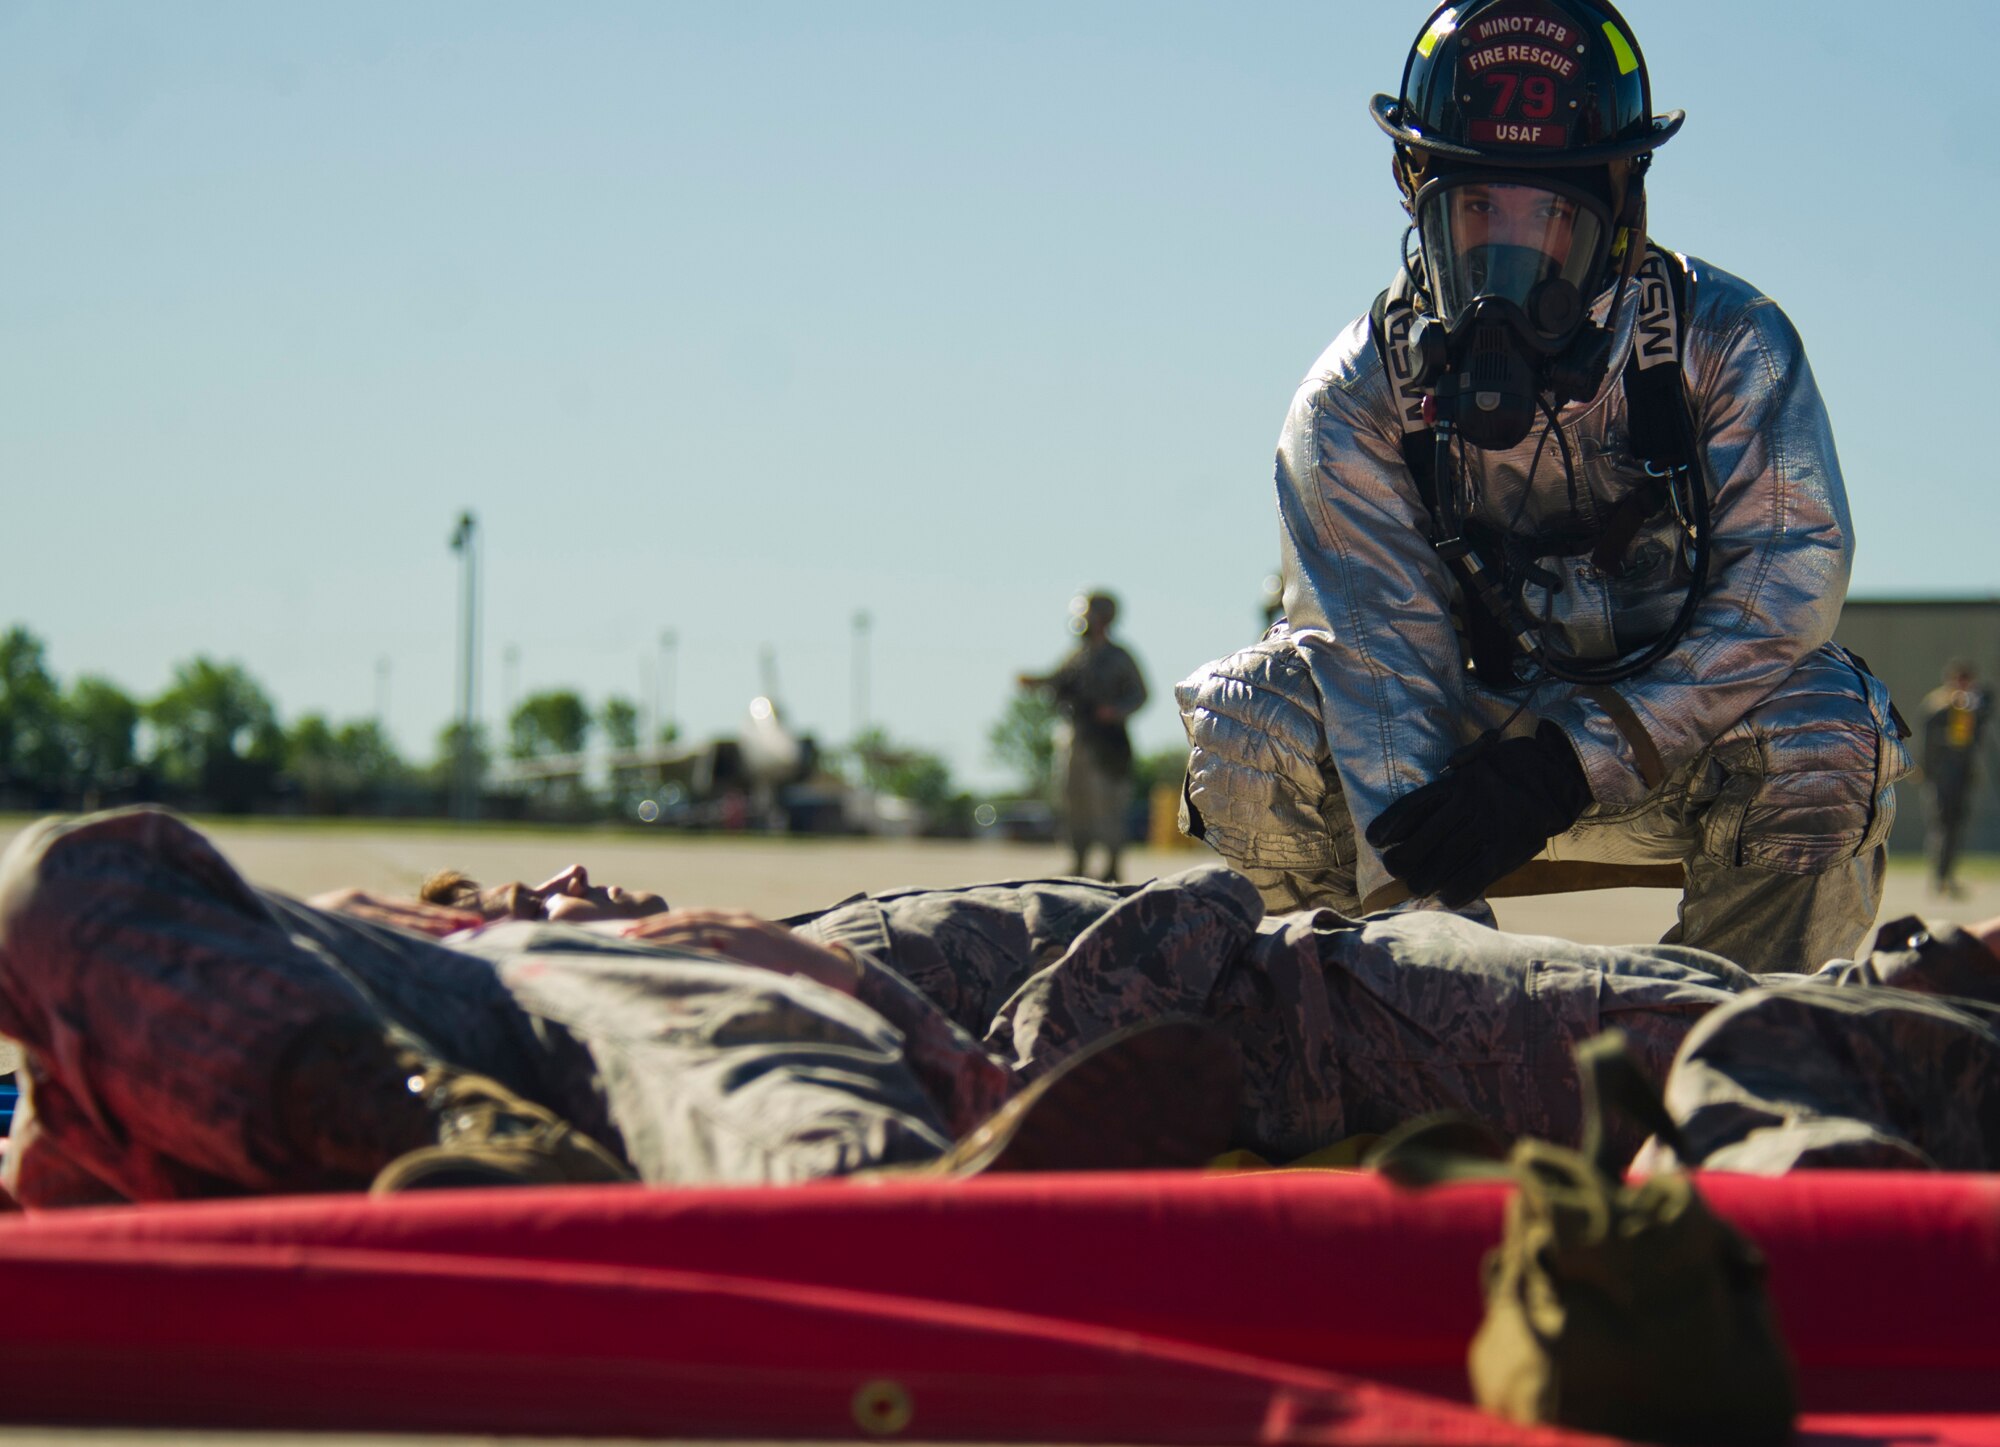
(1440, 28)
(1622, 48)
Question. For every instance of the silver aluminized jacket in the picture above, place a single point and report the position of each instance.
(1370, 603)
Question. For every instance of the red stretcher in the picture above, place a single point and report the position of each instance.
(1294, 1306)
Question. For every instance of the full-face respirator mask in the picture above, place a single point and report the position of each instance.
(1511, 262)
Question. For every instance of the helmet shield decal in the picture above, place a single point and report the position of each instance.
(1506, 235)
(1523, 79)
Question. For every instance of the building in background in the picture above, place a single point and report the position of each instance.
(1907, 642)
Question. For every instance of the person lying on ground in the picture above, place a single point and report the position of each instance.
(1351, 1028)
(245, 1042)
(185, 1035)
(1445, 1000)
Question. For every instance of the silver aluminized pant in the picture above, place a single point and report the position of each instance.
(1778, 825)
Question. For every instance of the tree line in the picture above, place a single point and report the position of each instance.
(213, 740)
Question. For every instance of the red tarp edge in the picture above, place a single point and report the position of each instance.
(1884, 1284)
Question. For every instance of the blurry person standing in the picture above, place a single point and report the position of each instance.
(1096, 689)
(1954, 719)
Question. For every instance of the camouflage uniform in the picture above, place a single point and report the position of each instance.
(1899, 1070)
(1350, 1027)
(1344, 1027)
(158, 999)
(1954, 720)
(1097, 766)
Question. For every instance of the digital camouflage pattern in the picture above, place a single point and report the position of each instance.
(1898, 1070)
(161, 1002)
(1351, 1028)
(1344, 1027)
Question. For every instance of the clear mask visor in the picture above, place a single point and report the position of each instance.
(1488, 237)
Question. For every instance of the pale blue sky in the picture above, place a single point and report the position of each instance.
(736, 318)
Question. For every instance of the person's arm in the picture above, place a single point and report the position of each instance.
(1782, 544)
(1128, 689)
(415, 915)
(1366, 596)
(1059, 682)
(748, 940)
(966, 1083)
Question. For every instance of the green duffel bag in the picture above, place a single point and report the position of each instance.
(1631, 1310)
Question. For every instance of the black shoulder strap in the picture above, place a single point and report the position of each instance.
(1389, 320)
(1487, 641)
(1655, 393)
(1657, 409)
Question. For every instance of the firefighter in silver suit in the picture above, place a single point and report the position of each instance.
(1564, 542)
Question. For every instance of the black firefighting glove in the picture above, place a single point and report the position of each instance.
(1489, 813)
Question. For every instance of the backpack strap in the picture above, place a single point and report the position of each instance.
(1488, 641)
(1657, 409)
(1389, 321)
(1654, 390)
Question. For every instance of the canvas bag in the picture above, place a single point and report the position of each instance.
(1631, 1310)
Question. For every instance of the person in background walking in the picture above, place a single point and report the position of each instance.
(1096, 689)
(1954, 719)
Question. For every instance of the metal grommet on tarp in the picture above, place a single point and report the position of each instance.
(882, 1408)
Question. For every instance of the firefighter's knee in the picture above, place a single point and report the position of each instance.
(1806, 779)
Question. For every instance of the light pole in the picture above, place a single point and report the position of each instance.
(670, 643)
(465, 777)
(382, 694)
(646, 721)
(862, 623)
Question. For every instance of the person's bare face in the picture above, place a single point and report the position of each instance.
(1503, 215)
(569, 897)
